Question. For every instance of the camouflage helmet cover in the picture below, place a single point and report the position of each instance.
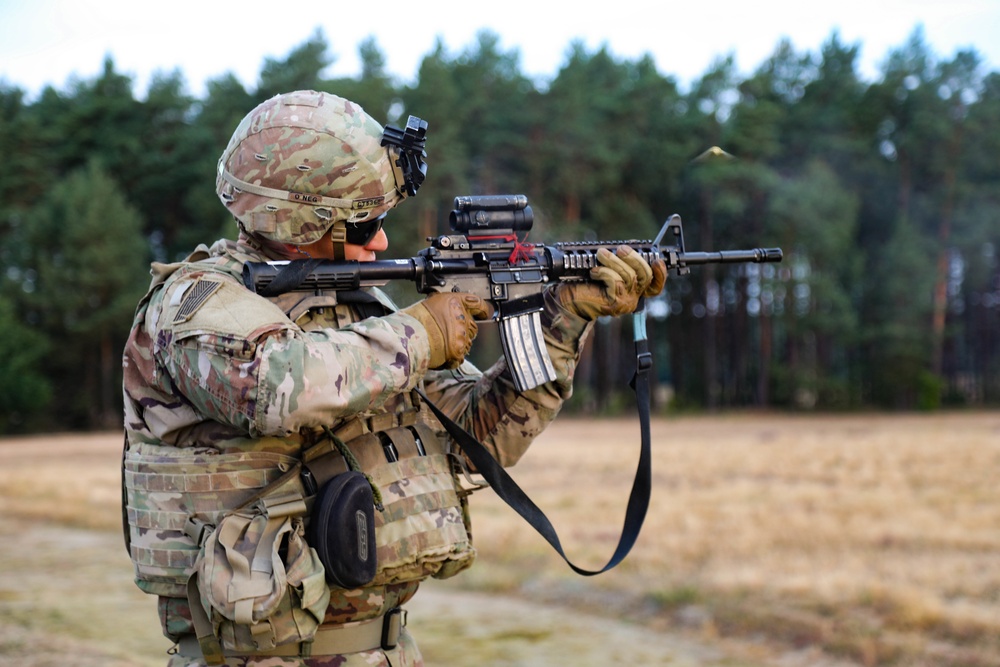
(303, 162)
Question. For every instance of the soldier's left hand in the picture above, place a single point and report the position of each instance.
(616, 285)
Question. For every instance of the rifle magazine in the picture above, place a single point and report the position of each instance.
(524, 348)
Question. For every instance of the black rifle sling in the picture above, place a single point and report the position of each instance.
(289, 277)
(512, 494)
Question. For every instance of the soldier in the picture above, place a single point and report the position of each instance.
(285, 489)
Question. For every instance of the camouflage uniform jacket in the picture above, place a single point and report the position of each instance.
(212, 368)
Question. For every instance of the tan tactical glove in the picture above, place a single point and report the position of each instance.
(450, 320)
(616, 285)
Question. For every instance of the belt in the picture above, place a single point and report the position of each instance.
(380, 632)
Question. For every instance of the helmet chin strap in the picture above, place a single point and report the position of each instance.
(338, 236)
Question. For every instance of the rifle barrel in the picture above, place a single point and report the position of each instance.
(756, 255)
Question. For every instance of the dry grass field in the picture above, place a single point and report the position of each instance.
(770, 540)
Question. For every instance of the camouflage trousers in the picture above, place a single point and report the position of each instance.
(406, 654)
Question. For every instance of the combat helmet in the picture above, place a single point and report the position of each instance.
(304, 162)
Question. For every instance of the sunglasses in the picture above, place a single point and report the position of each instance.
(362, 233)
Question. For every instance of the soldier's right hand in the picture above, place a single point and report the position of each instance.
(450, 320)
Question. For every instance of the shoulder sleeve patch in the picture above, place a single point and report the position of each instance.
(195, 297)
(219, 306)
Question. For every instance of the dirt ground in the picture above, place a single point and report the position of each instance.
(66, 598)
(771, 541)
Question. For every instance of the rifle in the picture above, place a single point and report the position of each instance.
(484, 256)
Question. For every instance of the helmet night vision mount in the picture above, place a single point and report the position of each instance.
(408, 154)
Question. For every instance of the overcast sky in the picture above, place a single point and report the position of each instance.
(48, 41)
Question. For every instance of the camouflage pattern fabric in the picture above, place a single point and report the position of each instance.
(301, 161)
(220, 382)
(406, 654)
(165, 485)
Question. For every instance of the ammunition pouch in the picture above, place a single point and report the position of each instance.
(423, 530)
(256, 583)
(420, 522)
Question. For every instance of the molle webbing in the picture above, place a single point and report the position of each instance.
(164, 489)
(420, 532)
(324, 460)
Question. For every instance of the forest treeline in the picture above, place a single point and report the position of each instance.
(884, 195)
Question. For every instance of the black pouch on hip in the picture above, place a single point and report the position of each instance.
(342, 530)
